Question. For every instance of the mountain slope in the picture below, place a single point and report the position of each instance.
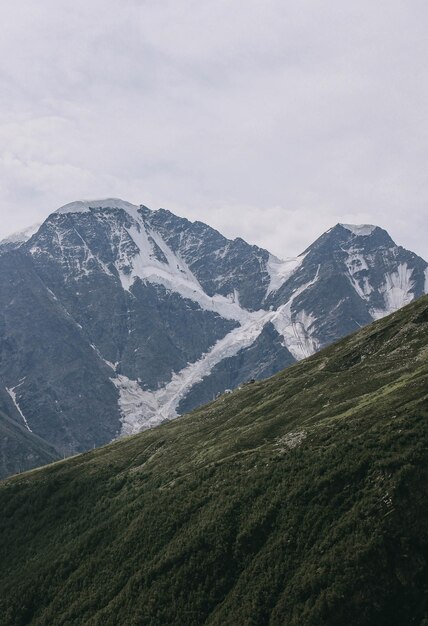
(299, 500)
(117, 318)
(48, 363)
(20, 449)
(15, 240)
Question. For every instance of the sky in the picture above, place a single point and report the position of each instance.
(267, 119)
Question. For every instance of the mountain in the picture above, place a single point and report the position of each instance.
(17, 239)
(298, 500)
(20, 449)
(116, 318)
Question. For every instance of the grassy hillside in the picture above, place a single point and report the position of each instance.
(301, 500)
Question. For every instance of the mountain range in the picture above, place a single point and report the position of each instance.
(297, 500)
(116, 318)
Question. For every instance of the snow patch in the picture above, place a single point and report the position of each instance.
(396, 291)
(297, 328)
(174, 274)
(139, 408)
(279, 271)
(143, 409)
(111, 365)
(11, 392)
(360, 229)
(84, 206)
(355, 263)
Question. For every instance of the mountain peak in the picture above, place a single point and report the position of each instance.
(360, 230)
(83, 206)
(21, 236)
(368, 235)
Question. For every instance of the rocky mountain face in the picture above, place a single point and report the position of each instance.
(116, 318)
(21, 450)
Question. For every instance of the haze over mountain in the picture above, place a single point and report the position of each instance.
(117, 318)
(298, 500)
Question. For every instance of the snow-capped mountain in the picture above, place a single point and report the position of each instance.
(116, 317)
(14, 240)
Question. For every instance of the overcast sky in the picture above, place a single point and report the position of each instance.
(268, 119)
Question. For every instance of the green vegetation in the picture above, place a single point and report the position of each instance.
(301, 500)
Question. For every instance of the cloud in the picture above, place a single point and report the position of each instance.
(270, 120)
